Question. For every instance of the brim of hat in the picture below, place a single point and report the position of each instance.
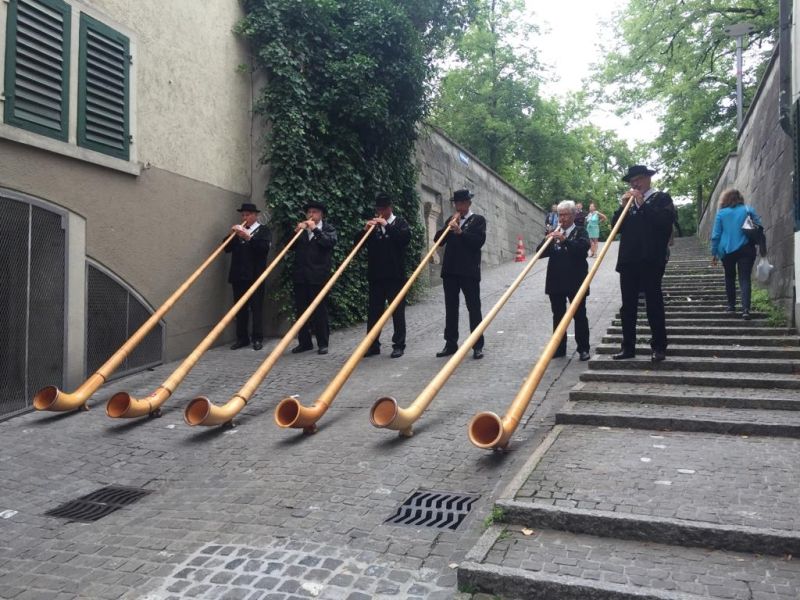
(627, 178)
(247, 210)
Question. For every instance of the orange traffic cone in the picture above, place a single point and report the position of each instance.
(520, 250)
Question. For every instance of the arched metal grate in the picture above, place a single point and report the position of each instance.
(113, 314)
(440, 510)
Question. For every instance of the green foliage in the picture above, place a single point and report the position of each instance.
(490, 102)
(495, 516)
(687, 219)
(345, 89)
(761, 302)
(676, 56)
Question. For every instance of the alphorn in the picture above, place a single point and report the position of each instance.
(290, 413)
(53, 399)
(489, 431)
(201, 411)
(386, 413)
(124, 406)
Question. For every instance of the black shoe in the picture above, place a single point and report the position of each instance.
(583, 356)
(624, 355)
(447, 351)
(397, 353)
(477, 353)
(730, 309)
(658, 355)
(239, 344)
(300, 348)
(322, 350)
(746, 315)
(257, 345)
(560, 354)
(372, 352)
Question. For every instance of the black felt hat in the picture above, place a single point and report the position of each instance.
(382, 200)
(462, 195)
(248, 207)
(636, 170)
(317, 205)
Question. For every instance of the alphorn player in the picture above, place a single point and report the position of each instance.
(644, 236)
(566, 269)
(313, 258)
(386, 252)
(248, 252)
(461, 270)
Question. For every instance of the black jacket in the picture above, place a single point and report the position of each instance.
(386, 251)
(567, 266)
(248, 258)
(645, 232)
(313, 258)
(462, 253)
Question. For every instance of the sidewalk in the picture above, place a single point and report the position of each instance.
(260, 512)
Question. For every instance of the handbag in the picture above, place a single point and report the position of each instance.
(754, 232)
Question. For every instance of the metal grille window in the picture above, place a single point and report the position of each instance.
(37, 66)
(103, 81)
(32, 272)
(113, 314)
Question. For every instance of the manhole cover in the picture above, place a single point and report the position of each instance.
(441, 510)
(98, 504)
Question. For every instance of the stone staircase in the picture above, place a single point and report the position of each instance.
(675, 480)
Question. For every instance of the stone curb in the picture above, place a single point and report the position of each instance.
(590, 395)
(678, 532)
(690, 424)
(746, 365)
(763, 341)
(518, 583)
(729, 351)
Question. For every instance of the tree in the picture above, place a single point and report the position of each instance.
(676, 56)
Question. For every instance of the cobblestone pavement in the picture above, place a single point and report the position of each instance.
(260, 512)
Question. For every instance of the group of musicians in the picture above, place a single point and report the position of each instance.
(644, 236)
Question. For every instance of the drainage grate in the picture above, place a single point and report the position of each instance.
(441, 510)
(98, 504)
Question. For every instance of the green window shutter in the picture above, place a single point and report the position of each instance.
(37, 66)
(103, 89)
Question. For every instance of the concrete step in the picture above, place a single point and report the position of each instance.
(700, 312)
(706, 323)
(718, 379)
(549, 564)
(643, 330)
(702, 490)
(734, 421)
(756, 367)
(686, 395)
(781, 341)
(677, 349)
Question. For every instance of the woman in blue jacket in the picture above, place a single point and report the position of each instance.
(731, 245)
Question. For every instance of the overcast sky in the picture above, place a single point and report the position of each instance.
(571, 30)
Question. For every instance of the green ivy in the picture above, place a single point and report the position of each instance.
(346, 87)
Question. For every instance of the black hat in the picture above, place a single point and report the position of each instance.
(248, 207)
(636, 170)
(317, 205)
(461, 195)
(382, 200)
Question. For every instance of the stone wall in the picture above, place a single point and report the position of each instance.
(761, 169)
(444, 167)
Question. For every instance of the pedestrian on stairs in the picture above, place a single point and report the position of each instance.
(644, 236)
(731, 245)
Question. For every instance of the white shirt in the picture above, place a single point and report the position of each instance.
(310, 232)
(464, 218)
(567, 231)
(389, 221)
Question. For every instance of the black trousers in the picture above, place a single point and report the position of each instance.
(741, 260)
(304, 294)
(453, 285)
(644, 277)
(254, 306)
(558, 304)
(381, 294)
